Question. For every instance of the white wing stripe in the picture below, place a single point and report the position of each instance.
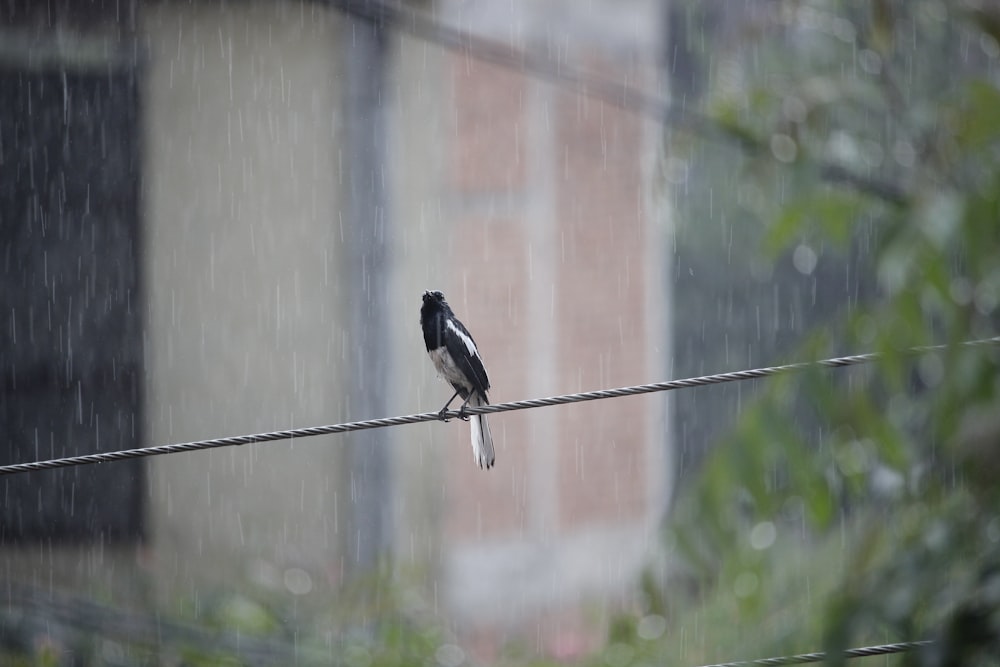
(465, 339)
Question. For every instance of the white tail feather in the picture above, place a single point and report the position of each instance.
(482, 439)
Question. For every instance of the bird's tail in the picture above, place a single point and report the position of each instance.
(482, 439)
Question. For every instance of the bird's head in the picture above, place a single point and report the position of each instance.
(434, 296)
(433, 303)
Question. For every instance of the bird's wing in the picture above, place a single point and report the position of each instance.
(464, 352)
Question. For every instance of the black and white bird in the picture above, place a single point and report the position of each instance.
(457, 360)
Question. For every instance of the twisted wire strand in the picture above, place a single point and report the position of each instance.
(802, 658)
(290, 434)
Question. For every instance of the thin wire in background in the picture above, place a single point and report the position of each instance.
(802, 658)
(290, 434)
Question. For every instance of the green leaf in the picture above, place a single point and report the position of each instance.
(978, 124)
(832, 214)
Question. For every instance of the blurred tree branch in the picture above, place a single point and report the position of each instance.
(616, 93)
(898, 459)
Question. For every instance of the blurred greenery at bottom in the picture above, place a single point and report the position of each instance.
(375, 622)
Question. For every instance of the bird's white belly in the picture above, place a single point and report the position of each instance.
(447, 369)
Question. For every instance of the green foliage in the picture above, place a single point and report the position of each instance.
(831, 214)
(375, 622)
(898, 458)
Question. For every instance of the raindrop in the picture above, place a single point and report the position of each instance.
(762, 535)
(753, 197)
(993, 530)
(449, 655)
(986, 297)
(941, 218)
(988, 44)
(783, 147)
(853, 458)
(886, 482)
(265, 574)
(960, 290)
(619, 655)
(804, 258)
(298, 581)
(892, 272)
(651, 627)
(844, 30)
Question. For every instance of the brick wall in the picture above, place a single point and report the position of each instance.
(545, 197)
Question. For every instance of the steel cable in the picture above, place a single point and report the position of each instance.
(803, 658)
(290, 434)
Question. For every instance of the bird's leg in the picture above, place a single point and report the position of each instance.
(461, 410)
(445, 408)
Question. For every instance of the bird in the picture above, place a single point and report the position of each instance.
(456, 359)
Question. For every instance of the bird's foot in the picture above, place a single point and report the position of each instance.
(442, 413)
(461, 414)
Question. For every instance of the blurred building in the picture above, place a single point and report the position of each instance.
(178, 182)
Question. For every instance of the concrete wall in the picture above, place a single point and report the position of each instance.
(245, 332)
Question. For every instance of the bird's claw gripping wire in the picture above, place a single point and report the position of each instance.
(461, 414)
(461, 410)
(443, 411)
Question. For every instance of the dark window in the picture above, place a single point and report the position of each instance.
(70, 302)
